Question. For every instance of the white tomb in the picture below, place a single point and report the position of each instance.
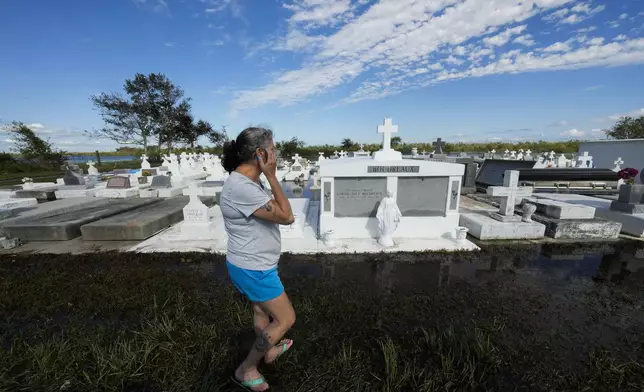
(196, 216)
(504, 224)
(427, 193)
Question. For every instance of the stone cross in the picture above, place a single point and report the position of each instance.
(387, 128)
(506, 155)
(509, 192)
(528, 154)
(335, 153)
(618, 164)
(144, 162)
(296, 158)
(438, 146)
(513, 155)
(361, 147)
(551, 155)
(520, 156)
(343, 154)
(585, 160)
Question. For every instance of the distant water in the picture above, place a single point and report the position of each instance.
(84, 158)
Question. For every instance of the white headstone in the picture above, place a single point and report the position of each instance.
(520, 156)
(92, 170)
(144, 162)
(506, 154)
(528, 154)
(562, 161)
(618, 164)
(509, 193)
(585, 161)
(196, 215)
(513, 155)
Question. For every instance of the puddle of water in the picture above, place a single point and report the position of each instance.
(394, 273)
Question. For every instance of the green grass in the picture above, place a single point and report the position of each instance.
(155, 322)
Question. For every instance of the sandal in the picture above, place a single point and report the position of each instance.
(286, 345)
(248, 385)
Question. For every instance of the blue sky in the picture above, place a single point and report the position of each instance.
(322, 70)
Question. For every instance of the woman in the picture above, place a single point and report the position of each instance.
(252, 220)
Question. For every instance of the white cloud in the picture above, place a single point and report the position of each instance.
(562, 123)
(316, 13)
(557, 47)
(620, 37)
(613, 24)
(169, 44)
(504, 37)
(587, 29)
(525, 40)
(573, 133)
(35, 126)
(623, 16)
(436, 67)
(574, 15)
(387, 43)
(596, 41)
(634, 113)
(298, 41)
(155, 5)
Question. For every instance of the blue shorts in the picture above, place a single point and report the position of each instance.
(258, 286)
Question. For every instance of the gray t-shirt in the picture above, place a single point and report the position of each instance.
(253, 243)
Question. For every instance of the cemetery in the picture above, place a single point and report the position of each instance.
(367, 224)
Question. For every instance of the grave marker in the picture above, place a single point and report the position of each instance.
(509, 192)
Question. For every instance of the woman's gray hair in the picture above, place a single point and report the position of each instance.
(242, 149)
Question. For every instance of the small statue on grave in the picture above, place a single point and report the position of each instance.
(144, 162)
(91, 169)
(389, 217)
(528, 211)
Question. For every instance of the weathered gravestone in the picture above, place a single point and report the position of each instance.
(72, 178)
(139, 224)
(492, 171)
(631, 199)
(65, 224)
(469, 177)
(118, 187)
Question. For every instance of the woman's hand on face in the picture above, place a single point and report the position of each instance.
(270, 166)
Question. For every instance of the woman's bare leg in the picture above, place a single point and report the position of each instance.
(283, 315)
(260, 318)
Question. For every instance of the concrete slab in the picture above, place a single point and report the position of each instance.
(561, 210)
(42, 194)
(581, 229)
(141, 223)
(632, 224)
(11, 204)
(173, 240)
(483, 227)
(47, 209)
(66, 225)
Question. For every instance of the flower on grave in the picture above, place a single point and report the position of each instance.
(27, 179)
(628, 175)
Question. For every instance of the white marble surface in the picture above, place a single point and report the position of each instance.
(562, 210)
(70, 193)
(215, 241)
(632, 224)
(118, 193)
(17, 203)
(483, 227)
(296, 229)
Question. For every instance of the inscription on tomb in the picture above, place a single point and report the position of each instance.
(358, 197)
(393, 169)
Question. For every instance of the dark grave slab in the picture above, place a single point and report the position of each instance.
(212, 184)
(566, 174)
(631, 199)
(141, 223)
(41, 194)
(5, 213)
(492, 170)
(48, 209)
(120, 171)
(72, 178)
(161, 182)
(118, 182)
(468, 184)
(66, 225)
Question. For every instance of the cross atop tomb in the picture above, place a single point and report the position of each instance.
(438, 146)
(387, 128)
(335, 153)
(343, 153)
(528, 153)
(618, 164)
(361, 147)
(296, 157)
(509, 193)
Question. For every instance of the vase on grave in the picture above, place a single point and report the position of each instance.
(329, 238)
(389, 217)
(460, 233)
(528, 211)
